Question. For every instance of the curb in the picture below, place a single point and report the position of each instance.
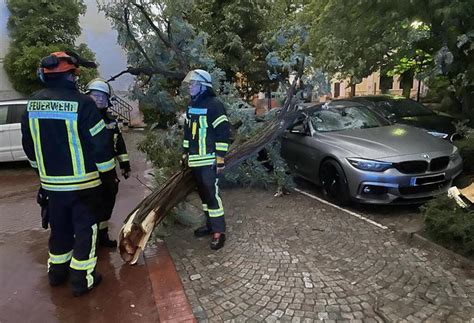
(466, 263)
(171, 301)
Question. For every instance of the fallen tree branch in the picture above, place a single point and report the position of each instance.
(153, 209)
(150, 71)
(153, 68)
(165, 40)
(126, 15)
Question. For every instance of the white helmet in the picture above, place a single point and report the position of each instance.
(101, 85)
(200, 76)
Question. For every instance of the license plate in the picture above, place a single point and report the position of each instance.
(426, 180)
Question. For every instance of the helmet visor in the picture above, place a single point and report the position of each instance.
(197, 77)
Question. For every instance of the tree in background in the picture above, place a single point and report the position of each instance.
(424, 38)
(235, 31)
(38, 28)
(239, 37)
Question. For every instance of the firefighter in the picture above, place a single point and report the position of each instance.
(101, 92)
(66, 141)
(206, 141)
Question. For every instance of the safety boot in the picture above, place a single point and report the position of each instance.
(203, 231)
(80, 292)
(58, 276)
(217, 241)
(104, 239)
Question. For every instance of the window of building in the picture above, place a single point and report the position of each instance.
(337, 89)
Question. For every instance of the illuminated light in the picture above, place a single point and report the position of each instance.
(399, 132)
(369, 165)
(416, 24)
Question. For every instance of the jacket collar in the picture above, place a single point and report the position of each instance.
(64, 84)
(199, 98)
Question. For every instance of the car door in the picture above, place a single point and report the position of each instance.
(297, 150)
(5, 145)
(14, 115)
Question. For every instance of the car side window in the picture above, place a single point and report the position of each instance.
(3, 114)
(300, 128)
(16, 111)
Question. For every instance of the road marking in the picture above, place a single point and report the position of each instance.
(363, 218)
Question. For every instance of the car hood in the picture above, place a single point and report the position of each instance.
(384, 142)
(433, 122)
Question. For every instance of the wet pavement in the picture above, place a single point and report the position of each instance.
(125, 294)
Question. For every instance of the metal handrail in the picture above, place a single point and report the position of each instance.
(121, 108)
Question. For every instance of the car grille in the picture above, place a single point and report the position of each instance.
(410, 190)
(412, 167)
(439, 163)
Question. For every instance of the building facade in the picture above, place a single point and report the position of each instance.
(371, 86)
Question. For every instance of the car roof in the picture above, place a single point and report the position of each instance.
(378, 98)
(333, 104)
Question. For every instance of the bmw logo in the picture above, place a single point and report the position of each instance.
(425, 156)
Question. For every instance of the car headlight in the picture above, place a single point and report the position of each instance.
(438, 134)
(370, 165)
(455, 154)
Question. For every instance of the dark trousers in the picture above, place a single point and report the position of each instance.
(72, 242)
(109, 194)
(208, 189)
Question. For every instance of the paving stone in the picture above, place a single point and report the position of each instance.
(267, 270)
(323, 316)
(195, 277)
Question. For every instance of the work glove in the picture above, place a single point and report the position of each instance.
(110, 181)
(126, 173)
(42, 200)
(220, 165)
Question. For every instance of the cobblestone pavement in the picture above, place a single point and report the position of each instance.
(292, 259)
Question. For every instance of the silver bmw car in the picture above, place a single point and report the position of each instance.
(355, 154)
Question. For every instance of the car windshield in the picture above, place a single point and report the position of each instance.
(403, 108)
(342, 118)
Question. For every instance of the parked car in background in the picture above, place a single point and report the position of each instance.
(355, 154)
(10, 130)
(399, 109)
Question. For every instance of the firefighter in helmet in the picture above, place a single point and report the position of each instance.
(66, 141)
(206, 141)
(101, 92)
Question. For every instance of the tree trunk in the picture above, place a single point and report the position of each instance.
(406, 83)
(468, 102)
(418, 91)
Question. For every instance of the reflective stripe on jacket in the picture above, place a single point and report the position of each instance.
(64, 136)
(206, 131)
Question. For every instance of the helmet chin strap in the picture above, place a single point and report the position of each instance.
(202, 89)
